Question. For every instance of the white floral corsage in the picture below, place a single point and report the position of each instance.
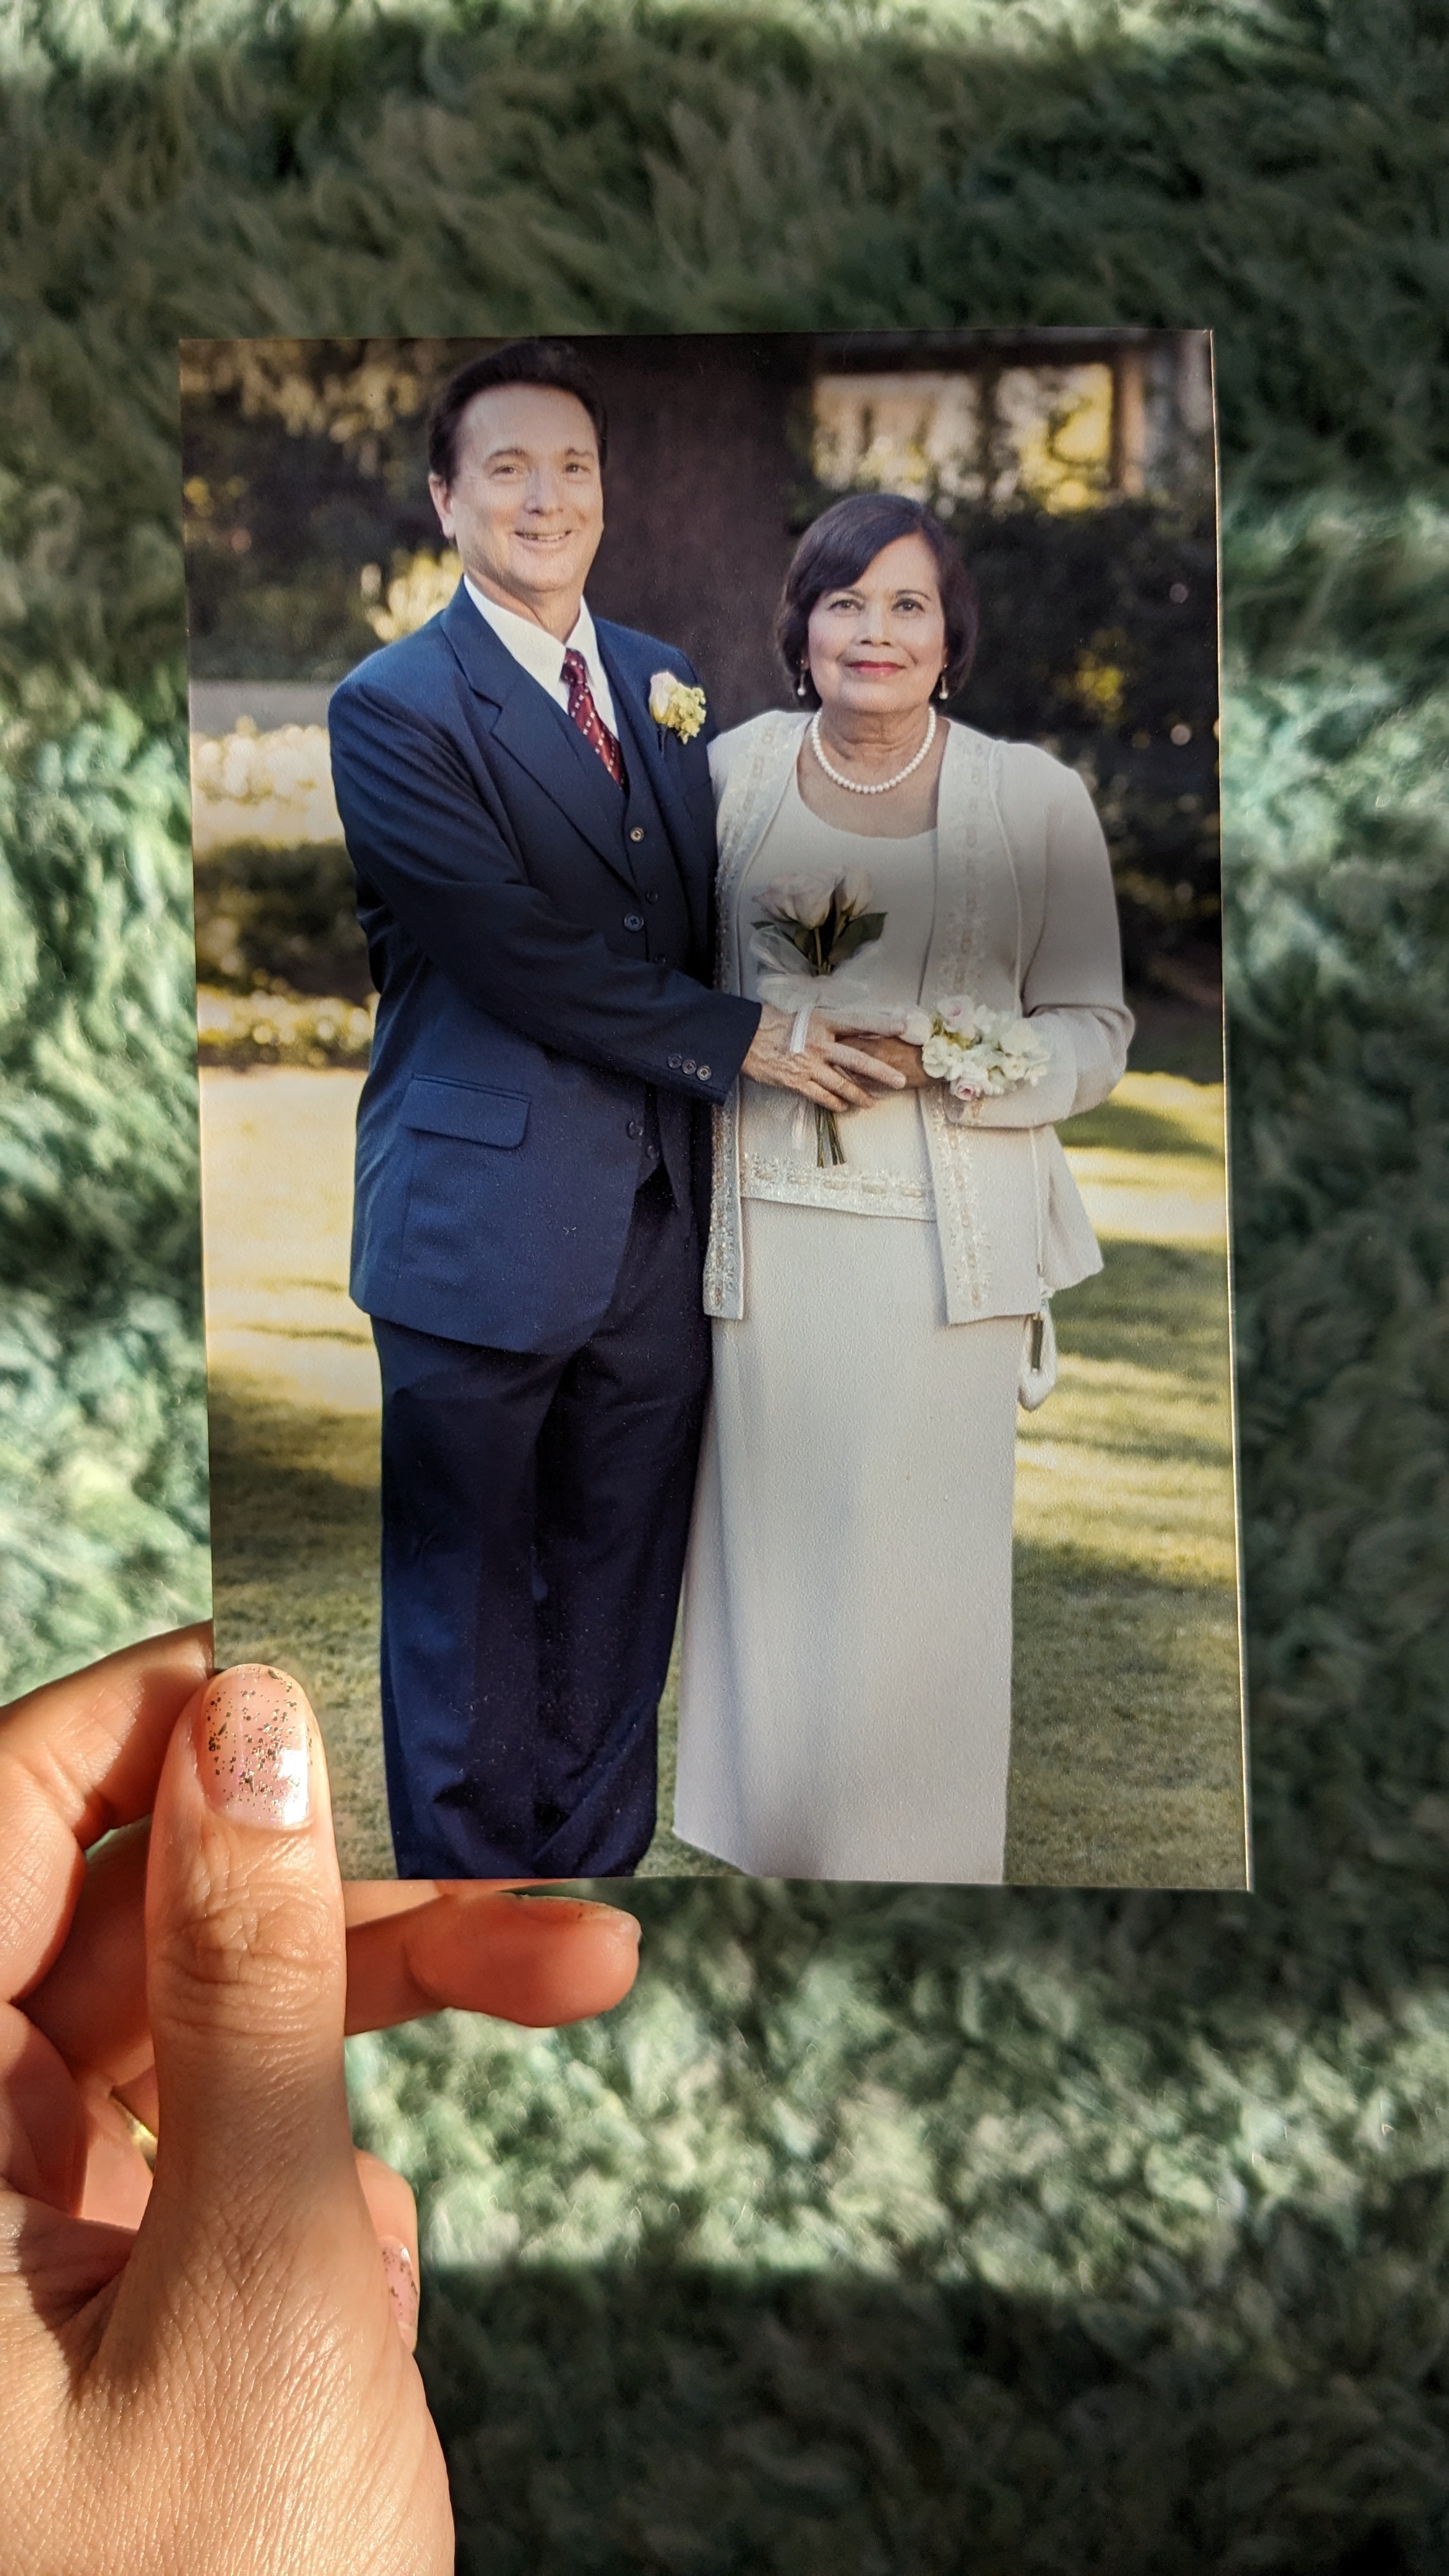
(978, 1053)
(675, 708)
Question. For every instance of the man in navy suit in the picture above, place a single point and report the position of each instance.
(535, 863)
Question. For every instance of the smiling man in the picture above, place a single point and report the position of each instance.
(535, 862)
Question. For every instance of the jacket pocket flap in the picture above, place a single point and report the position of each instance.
(459, 1109)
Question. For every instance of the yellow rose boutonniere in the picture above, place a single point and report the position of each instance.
(675, 708)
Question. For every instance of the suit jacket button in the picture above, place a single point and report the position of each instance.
(689, 1064)
(651, 894)
(633, 921)
(636, 1126)
(675, 1063)
(704, 1073)
(637, 834)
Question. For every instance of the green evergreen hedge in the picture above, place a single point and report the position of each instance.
(1031, 2233)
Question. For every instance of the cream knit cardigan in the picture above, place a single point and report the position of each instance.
(1025, 920)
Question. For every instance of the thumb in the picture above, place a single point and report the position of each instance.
(246, 1988)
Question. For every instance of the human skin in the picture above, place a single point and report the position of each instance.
(210, 2368)
(875, 652)
(525, 509)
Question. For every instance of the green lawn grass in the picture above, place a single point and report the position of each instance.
(1126, 1761)
(1127, 1756)
(294, 1537)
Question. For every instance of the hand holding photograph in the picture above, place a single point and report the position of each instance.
(642, 976)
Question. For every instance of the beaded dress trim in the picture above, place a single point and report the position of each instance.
(774, 1176)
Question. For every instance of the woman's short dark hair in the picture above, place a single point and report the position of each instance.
(519, 362)
(834, 552)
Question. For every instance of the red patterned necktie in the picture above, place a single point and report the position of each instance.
(587, 717)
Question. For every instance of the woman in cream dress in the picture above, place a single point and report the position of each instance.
(845, 1702)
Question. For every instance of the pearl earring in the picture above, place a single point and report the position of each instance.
(803, 682)
(943, 692)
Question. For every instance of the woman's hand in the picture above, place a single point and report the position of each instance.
(212, 2370)
(905, 1059)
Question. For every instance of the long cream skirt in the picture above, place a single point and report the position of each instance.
(845, 1698)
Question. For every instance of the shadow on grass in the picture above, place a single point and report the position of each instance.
(294, 1521)
(1152, 1306)
(620, 2421)
(289, 1483)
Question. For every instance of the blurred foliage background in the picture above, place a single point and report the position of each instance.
(881, 2229)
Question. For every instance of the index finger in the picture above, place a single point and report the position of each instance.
(79, 1757)
(492, 1949)
(414, 1945)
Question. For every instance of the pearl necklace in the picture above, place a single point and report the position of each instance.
(880, 787)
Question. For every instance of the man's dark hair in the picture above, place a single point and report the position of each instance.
(519, 362)
(834, 552)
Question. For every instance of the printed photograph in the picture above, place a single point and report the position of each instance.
(709, 1002)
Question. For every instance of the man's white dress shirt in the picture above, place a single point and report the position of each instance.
(542, 655)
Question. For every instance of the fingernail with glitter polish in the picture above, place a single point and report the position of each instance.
(253, 1746)
(402, 2287)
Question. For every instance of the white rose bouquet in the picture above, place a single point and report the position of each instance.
(809, 926)
(978, 1053)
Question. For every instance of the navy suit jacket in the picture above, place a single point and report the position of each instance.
(542, 949)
